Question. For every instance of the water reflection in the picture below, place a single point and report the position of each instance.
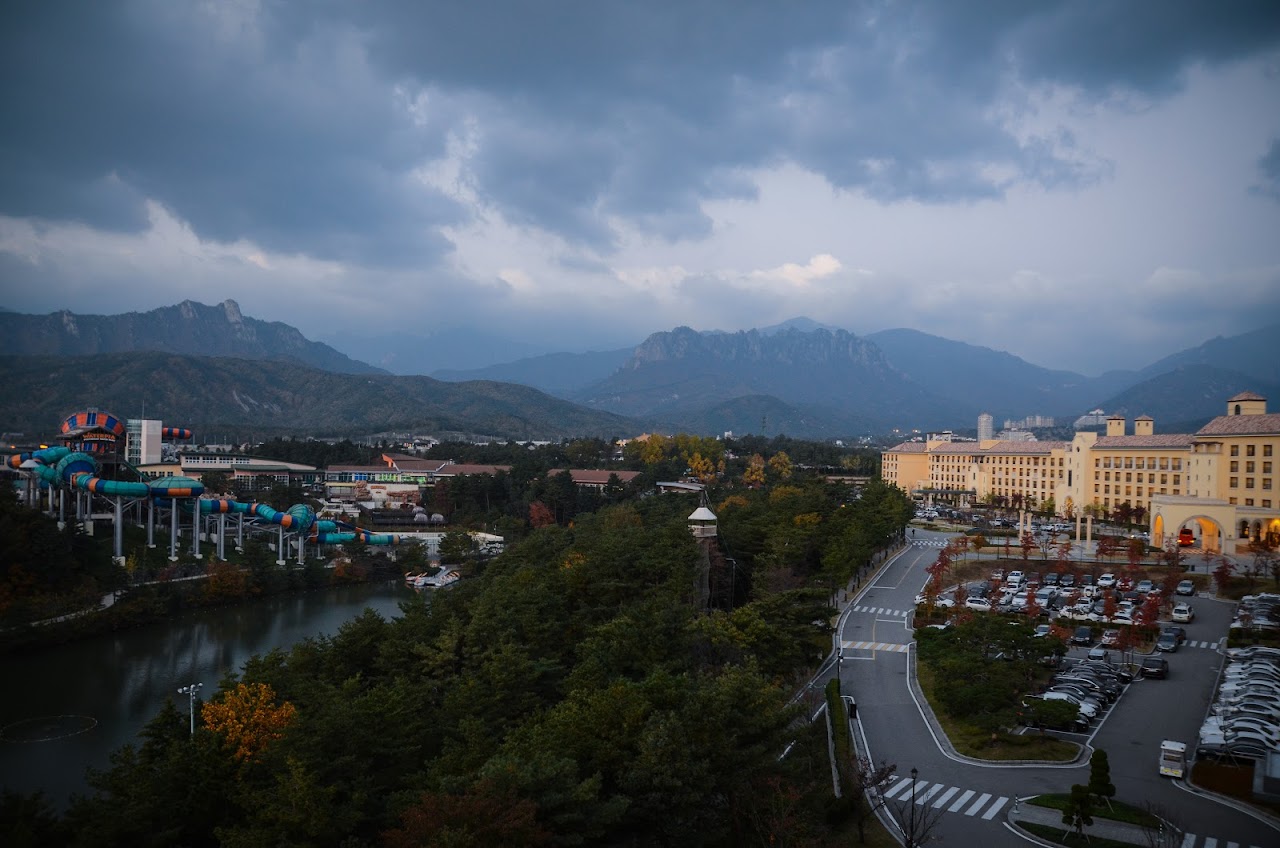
(122, 680)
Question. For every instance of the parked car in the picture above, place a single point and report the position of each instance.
(1042, 630)
(1186, 587)
(1082, 636)
(1167, 642)
(1110, 638)
(1106, 581)
(939, 601)
(1144, 586)
(979, 604)
(1183, 613)
(1067, 581)
(1052, 578)
(1014, 578)
(1157, 667)
(1179, 633)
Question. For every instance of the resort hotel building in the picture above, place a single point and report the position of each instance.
(1220, 481)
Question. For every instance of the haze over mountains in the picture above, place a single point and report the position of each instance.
(800, 378)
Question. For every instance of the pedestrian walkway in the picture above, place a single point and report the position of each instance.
(883, 611)
(930, 543)
(1119, 831)
(950, 799)
(876, 646)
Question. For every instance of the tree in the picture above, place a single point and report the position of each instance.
(754, 475)
(540, 515)
(780, 464)
(1106, 547)
(248, 718)
(918, 821)
(1078, 812)
(867, 782)
(481, 817)
(456, 546)
(1222, 575)
(1028, 544)
(1100, 785)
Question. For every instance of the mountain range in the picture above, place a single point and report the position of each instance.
(800, 378)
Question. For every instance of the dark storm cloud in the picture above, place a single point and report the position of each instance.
(293, 130)
(294, 147)
(1269, 170)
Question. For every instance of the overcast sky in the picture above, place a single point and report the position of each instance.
(1085, 184)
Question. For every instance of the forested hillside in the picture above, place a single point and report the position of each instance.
(579, 690)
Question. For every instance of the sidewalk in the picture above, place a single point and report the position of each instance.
(1105, 828)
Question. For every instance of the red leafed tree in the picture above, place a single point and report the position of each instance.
(1149, 613)
(1028, 543)
(1110, 605)
(540, 515)
(1106, 547)
(1222, 575)
(480, 816)
(938, 571)
(1033, 608)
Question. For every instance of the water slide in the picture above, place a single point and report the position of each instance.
(59, 465)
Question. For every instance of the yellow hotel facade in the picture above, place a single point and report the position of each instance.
(1221, 481)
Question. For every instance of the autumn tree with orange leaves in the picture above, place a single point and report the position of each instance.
(248, 718)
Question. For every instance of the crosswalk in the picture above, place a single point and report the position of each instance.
(1191, 840)
(1193, 643)
(939, 796)
(876, 646)
(930, 543)
(883, 611)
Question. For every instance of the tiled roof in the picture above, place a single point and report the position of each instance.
(1011, 446)
(1246, 396)
(1163, 440)
(595, 477)
(458, 469)
(1144, 418)
(409, 463)
(907, 447)
(1242, 425)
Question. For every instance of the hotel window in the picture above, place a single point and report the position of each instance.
(1248, 467)
(1266, 450)
(1095, 488)
(1248, 482)
(1235, 483)
(1106, 490)
(1266, 483)
(1235, 450)
(1128, 462)
(1231, 501)
(1266, 468)
(1164, 478)
(1106, 476)
(1235, 466)
(1128, 477)
(1163, 492)
(1139, 492)
(1249, 449)
(1266, 504)
(1128, 490)
(1177, 479)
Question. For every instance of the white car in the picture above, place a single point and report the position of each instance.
(1106, 581)
(1014, 578)
(940, 601)
(980, 604)
(1183, 613)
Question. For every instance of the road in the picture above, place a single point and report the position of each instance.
(973, 799)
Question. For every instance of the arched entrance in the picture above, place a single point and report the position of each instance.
(1213, 522)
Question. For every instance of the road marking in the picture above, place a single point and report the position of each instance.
(895, 647)
(946, 796)
(1210, 842)
(924, 799)
(1188, 840)
(977, 805)
(995, 808)
(898, 787)
(968, 793)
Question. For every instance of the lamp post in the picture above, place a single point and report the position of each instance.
(190, 692)
(911, 829)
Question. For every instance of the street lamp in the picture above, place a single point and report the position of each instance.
(911, 830)
(190, 692)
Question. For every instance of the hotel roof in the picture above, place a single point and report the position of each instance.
(1164, 440)
(907, 447)
(1242, 425)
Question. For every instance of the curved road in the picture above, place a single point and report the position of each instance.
(972, 800)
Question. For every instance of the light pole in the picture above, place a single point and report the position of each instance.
(911, 829)
(190, 692)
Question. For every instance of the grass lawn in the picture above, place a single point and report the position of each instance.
(977, 743)
(1054, 834)
(1118, 811)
